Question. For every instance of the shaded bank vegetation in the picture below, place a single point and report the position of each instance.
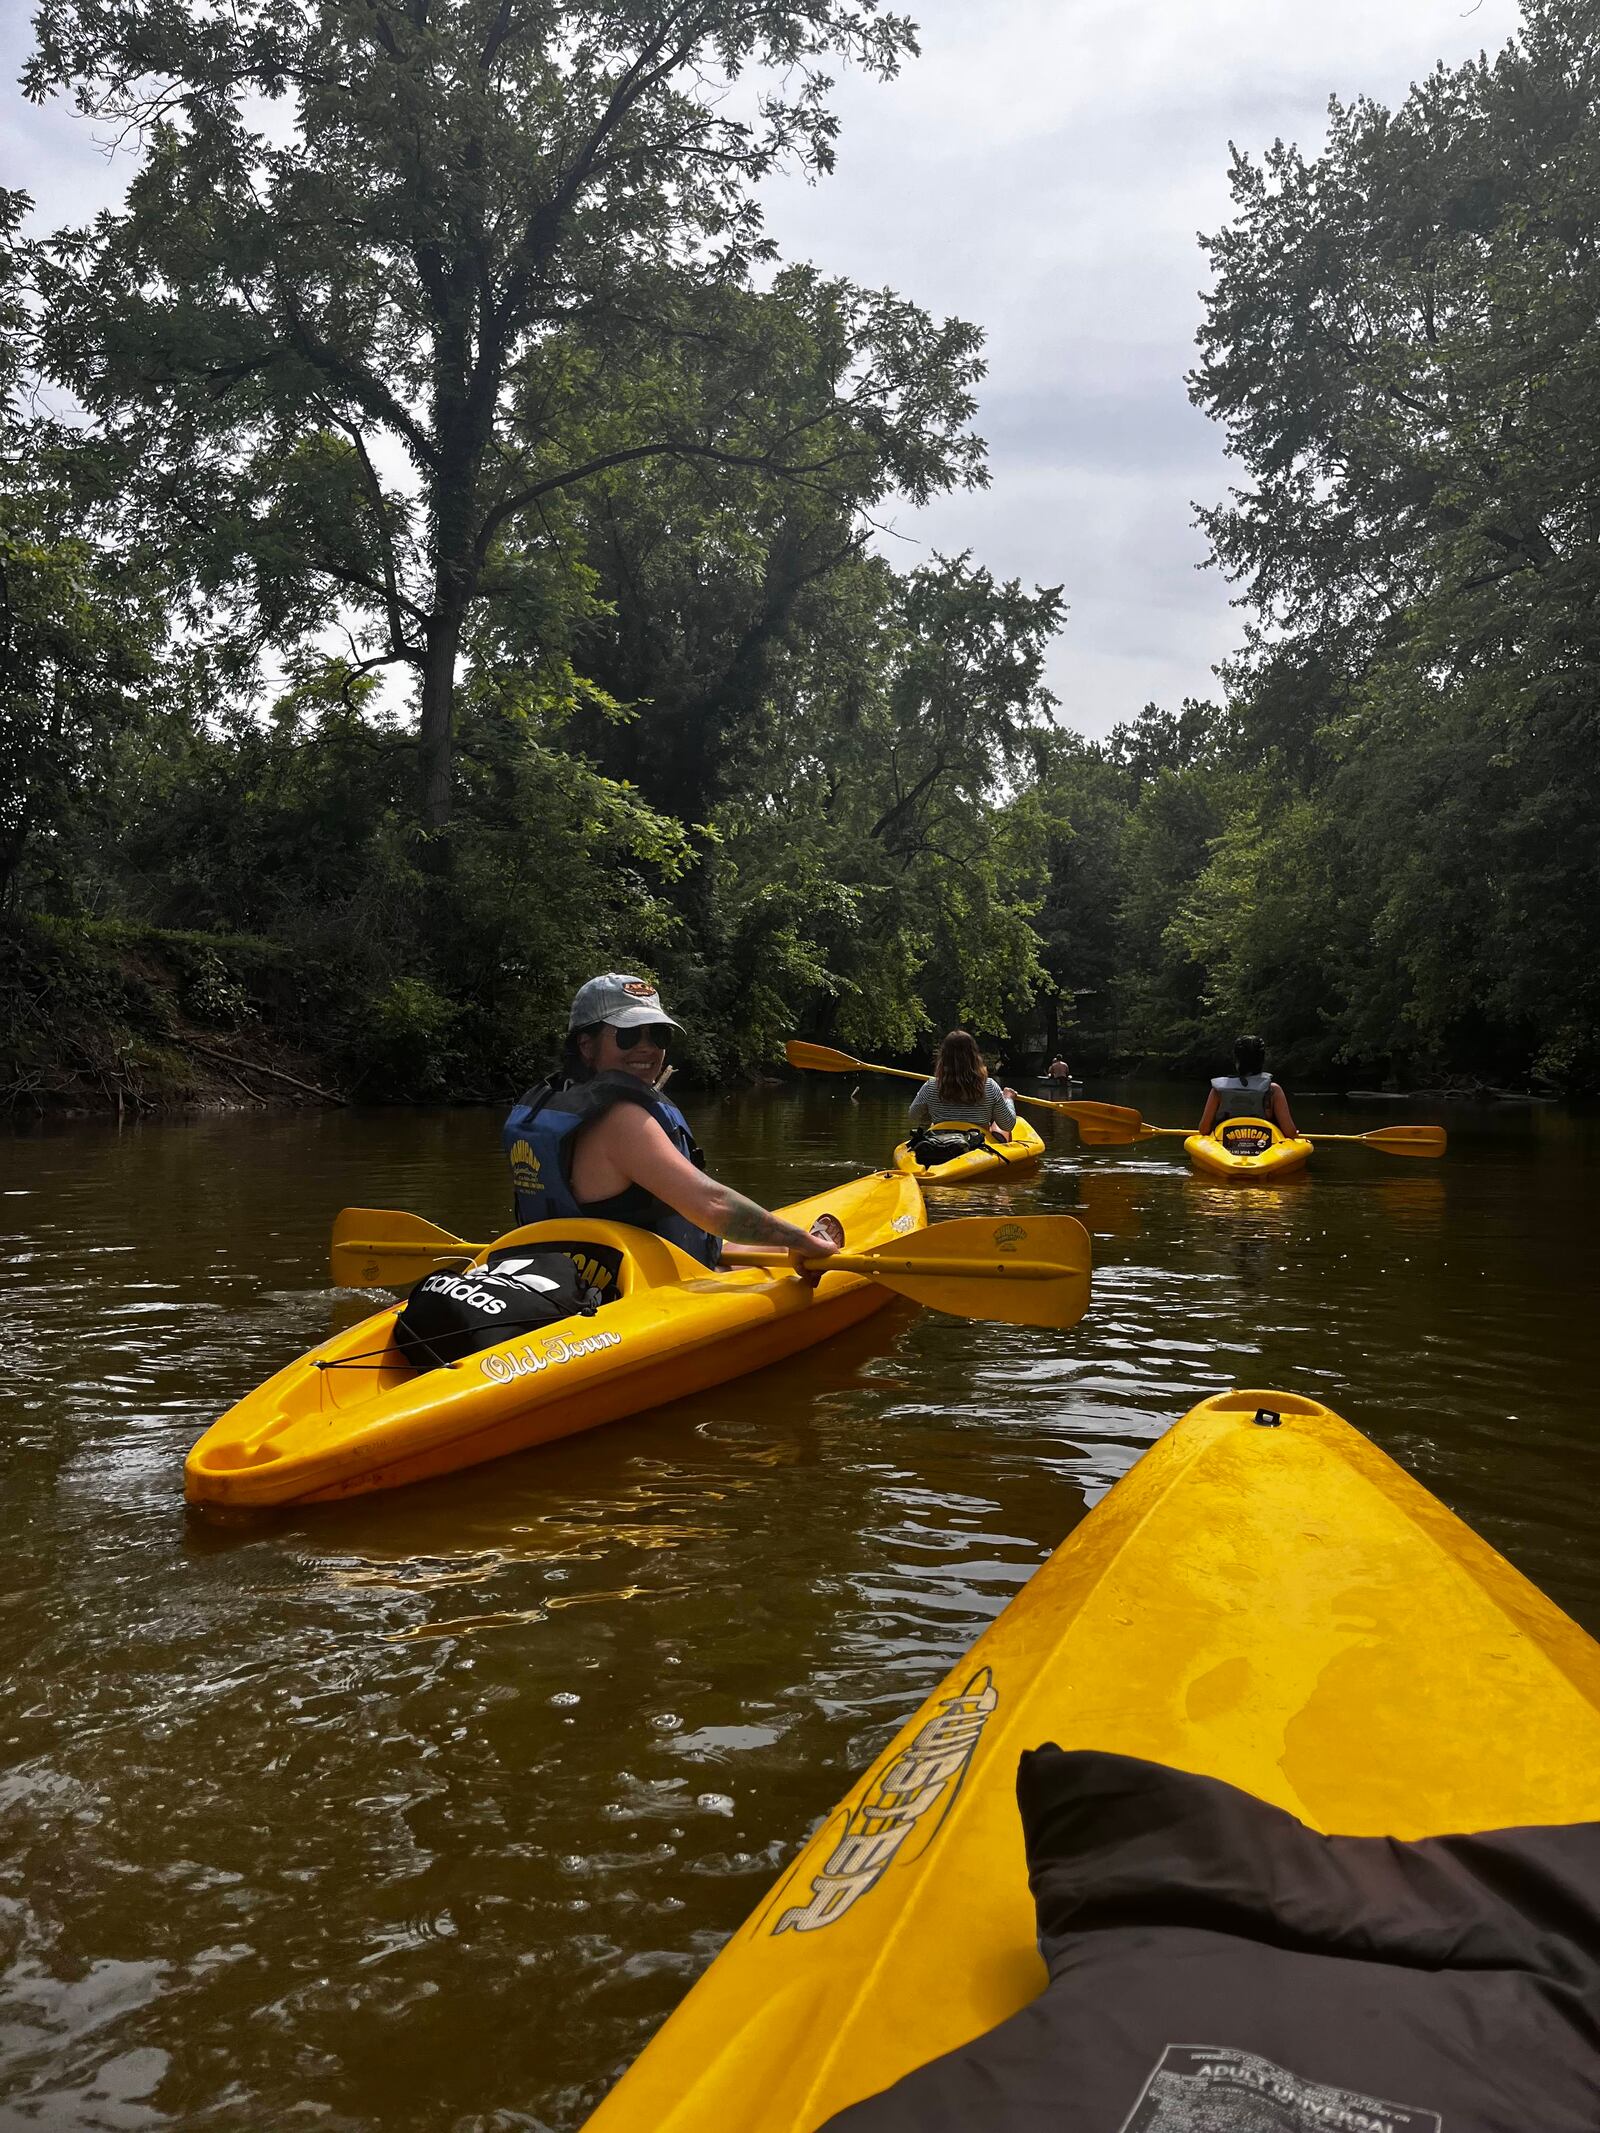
(435, 562)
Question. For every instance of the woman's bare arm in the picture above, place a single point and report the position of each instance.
(1208, 1116)
(1280, 1113)
(629, 1140)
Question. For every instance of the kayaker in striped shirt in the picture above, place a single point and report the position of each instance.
(961, 1091)
(1248, 1092)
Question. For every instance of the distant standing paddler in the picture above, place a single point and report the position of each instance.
(960, 1091)
(1248, 1092)
(600, 1139)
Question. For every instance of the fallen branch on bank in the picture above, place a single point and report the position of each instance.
(231, 1060)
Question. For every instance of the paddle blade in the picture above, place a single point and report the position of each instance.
(820, 1058)
(1408, 1140)
(1101, 1125)
(381, 1248)
(1056, 1300)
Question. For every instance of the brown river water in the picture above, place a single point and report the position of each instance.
(422, 1811)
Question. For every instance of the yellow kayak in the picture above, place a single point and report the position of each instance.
(1269, 1602)
(1021, 1152)
(353, 1415)
(1246, 1148)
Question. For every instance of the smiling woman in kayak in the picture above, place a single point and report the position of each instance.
(1248, 1092)
(600, 1138)
(960, 1091)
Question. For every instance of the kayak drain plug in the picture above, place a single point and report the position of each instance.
(1267, 1418)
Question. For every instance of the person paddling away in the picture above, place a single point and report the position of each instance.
(1248, 1092)
(600, 1139)
(960, 1092)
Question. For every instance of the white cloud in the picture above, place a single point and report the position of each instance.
(1043, 170)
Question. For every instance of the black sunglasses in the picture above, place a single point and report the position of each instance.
(628, 1040)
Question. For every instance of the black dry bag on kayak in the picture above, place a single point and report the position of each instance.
(945, 1144)
(458, 1312)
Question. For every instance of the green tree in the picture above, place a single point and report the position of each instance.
(82, 620)
(395, 282)
(1402, 344)
(879, 868)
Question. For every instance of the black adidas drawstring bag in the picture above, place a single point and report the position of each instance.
(459, 1312)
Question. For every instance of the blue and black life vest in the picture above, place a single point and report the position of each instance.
(1242, 1096)
(540, 1134)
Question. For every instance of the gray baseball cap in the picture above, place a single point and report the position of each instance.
(622, 1001)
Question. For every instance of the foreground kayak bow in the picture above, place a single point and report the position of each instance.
(1265, 1599)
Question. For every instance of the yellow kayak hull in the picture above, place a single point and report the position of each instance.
(1245, 1148)
(1021, 1152)
(1280, 1607)
(313, 1433)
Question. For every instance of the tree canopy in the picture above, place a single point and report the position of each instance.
(1402, 345)
(393, 283)
(438, 547)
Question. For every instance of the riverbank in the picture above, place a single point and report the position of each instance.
(102, 1018)
(107, 1018)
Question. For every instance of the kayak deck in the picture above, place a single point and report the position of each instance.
(1275, 1605)
(1021, 1152)
(1246, 1148)
(353, 1415)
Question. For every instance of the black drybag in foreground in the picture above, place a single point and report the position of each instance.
(1216, 1966)
(455, 1313)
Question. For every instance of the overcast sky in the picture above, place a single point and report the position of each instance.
(1043, 170)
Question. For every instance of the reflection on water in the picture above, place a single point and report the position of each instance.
(419, 1811)
(1414, 1203)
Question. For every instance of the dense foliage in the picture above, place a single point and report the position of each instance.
(1404, 345)
(435, 559)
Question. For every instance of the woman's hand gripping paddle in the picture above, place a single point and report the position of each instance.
(1028, 1270)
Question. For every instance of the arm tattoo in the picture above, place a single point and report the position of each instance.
(741, 1221)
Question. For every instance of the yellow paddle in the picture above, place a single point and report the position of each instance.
(1100, 1125)
(1390, 1140)
(381, 1248)
(1028, 1271)
(1394, 1140)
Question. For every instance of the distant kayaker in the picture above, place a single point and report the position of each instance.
(600, 1139)
(960, 1091)
(1248, 1092)
(1058, 1069)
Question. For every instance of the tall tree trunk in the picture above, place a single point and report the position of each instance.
(463, 429)
(12, 844)
(436, 732)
